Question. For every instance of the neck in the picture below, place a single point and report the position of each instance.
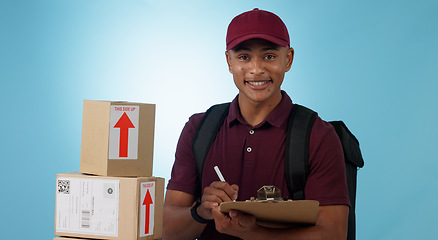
(256, 112)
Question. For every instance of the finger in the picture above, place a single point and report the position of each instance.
(220, 192)
(244, 220)
(204, 210)
(231, 191)
(222, 221)
(215, 195)
(225, 224)
(236, 189)
(209, 204)
(217, 213)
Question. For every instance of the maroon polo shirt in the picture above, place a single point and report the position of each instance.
(254, 156)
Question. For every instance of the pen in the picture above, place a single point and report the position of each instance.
(221, 177)
(219, 174)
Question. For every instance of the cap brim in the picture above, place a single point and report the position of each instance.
(270, 38)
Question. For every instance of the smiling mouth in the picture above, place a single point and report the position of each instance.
(257, 83)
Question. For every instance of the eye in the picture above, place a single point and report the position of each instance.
(243, 57)
(269, 56)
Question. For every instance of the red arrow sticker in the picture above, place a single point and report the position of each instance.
(147, 203)
(147, 208)
(123, 137)
(124, 124)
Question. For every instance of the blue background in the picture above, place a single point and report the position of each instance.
(371, 63)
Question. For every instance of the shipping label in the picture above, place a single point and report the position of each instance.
(87, 206)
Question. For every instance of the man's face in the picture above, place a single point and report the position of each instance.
(258, 67)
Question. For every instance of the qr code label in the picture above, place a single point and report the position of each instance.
(64, 186)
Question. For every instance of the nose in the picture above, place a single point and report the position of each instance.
(257, 67)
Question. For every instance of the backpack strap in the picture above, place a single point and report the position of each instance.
(206, 133)
(296, 162)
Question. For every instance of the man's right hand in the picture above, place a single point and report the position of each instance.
(214, 195)
(177, 220)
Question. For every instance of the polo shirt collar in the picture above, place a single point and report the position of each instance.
(276, 118)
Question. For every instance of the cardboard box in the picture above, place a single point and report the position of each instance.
(117, 138)
(113, 208)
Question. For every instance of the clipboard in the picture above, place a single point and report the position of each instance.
(277, 214)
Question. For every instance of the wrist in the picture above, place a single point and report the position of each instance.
(195, 214)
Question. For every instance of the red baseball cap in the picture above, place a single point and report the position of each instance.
(257, 24)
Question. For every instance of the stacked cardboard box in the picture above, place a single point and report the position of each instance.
(114, 196)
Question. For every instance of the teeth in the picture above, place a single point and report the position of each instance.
(257, 83)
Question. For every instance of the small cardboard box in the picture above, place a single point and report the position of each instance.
(117, 138)
(113, 208)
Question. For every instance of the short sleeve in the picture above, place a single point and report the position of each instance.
(184, 176)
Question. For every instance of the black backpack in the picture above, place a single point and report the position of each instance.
(296, 152)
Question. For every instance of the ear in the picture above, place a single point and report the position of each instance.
(227, 55)
(289, 58)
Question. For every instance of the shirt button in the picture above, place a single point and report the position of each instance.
(248, 149)
(251, 132)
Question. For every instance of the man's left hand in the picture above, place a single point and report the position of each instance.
(236, 223)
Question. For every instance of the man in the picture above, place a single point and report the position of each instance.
(249, 148)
